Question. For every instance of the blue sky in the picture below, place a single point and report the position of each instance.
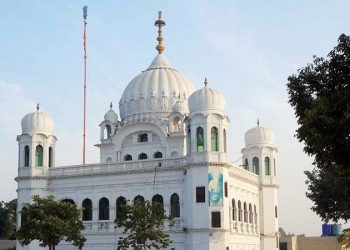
(246, 49)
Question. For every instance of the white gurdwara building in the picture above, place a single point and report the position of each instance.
(169, 145)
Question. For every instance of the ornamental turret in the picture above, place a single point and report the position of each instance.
(259, 156)
(207, 125)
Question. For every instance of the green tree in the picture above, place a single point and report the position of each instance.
(50, 221)
(320, 96)
(8, 219)
(142, 222)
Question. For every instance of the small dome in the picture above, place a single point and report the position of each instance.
(155, 90)
(111, 115)
(258, 136)
(37, 122)
(206, 99)
(180, 107)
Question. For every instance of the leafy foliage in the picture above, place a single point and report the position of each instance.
(329, 190)
(8, 219)
(142, 223)
(50, 221)
(320, 95)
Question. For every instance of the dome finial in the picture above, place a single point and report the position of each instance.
(37, 107)
(205, 82)
(258, 122)
(160, 23)
(111, 105)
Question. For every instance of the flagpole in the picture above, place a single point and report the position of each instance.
(85, 59)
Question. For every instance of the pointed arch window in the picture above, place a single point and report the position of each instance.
(188, 139)
(245, 214)
(176, 124)
(142, 156)
(158, 201)
(239, 211)
(121, 201)
(139, 199)
(246, 164)
(23, 215)
(250, 213)
(225, 141)
(214, 139)
(256, 165)
(127, 157)
(234, 210)
(87, 210)
(200, 139)
(39, 156)
(175, 206)
(103, 209)
(267, 166)
(50, 157)
(158, 155)
(26, 156)
(108, 131)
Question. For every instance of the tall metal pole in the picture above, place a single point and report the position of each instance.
(85, 59)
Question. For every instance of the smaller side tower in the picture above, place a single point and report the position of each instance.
(176, 128)
(207, 125)
(206, 204)
(259, 157)
(36, 146)
(108, 128)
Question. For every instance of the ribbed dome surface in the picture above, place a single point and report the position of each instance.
(37, 122)
(259, 135)
(206, 99)
(180, 107)
(111, 116)
(155, 90)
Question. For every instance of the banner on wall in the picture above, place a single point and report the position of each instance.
(215, 188)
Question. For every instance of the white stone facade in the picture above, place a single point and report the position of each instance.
(171, 139)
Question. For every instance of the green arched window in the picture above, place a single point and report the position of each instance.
(200, 139)
(267, 166)
(39, 156)
(214, 139)
(256, 165)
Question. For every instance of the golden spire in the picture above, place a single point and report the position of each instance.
(205, 82)
(160, 23)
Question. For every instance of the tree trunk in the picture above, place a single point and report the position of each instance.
(50, 247)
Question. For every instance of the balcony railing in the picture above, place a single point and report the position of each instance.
(91, 169)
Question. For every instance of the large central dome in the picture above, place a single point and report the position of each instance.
(153, 92)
